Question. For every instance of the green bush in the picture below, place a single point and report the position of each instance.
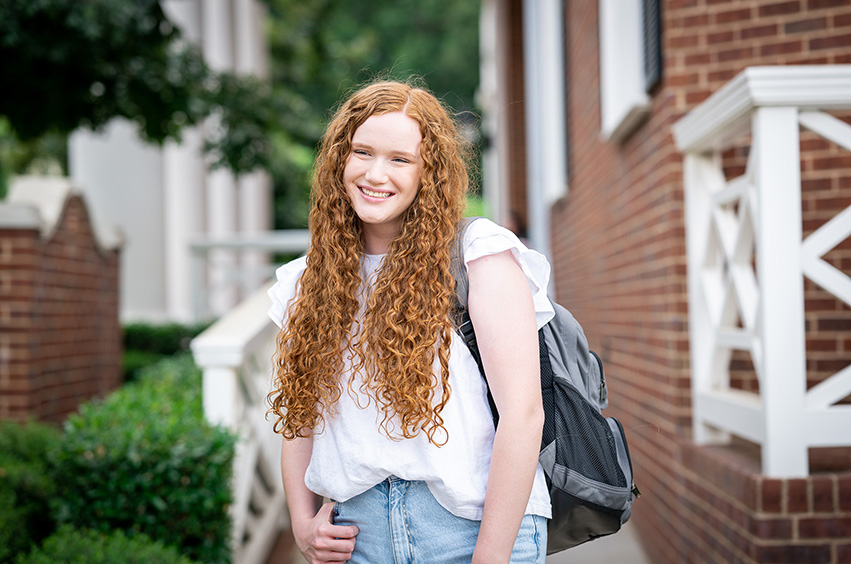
(135, 361)
(145, 460)
(165, 339)
(145, 344)
(72, 546)
(25, 486)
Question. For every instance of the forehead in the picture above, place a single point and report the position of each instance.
(394, 130)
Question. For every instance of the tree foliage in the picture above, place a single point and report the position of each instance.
(83, 63)
(80, 63)
(66, 64)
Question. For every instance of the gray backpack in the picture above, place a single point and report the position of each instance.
(584, 455)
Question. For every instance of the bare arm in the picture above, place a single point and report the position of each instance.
(318, 539)
(503, 316)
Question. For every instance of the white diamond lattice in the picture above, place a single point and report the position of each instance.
(820, 243)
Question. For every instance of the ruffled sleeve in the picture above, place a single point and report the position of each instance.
(284, 290)
(484, 237)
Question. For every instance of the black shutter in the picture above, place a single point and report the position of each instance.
(652, 30)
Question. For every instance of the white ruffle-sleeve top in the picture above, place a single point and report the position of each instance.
(351, 454)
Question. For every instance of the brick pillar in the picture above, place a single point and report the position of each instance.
(60, 336)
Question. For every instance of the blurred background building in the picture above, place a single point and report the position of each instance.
(167, 197)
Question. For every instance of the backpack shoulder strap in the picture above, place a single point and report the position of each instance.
(462, 315)
(457, 267)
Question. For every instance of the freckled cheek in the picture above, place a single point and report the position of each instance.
(348, 171)
(349, 177)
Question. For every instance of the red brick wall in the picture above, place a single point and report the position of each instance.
(60, 338)
(620, 266)
(723, 510)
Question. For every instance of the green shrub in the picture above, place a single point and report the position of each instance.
(165, 339)
(145, 460)
(25, 485)
(145, 344)
(72, 546)
(135, 361)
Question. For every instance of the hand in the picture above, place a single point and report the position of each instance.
(319, 540)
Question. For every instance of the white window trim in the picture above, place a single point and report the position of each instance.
(623, 100)
(546, 154)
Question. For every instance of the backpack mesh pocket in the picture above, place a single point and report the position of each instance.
(583, 437)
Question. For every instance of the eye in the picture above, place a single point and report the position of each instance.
(361, 152)
(401, 160)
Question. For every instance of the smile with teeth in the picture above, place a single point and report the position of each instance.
(374, 194)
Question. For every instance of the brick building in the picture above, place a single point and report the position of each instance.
(60, 337)
(617, 235)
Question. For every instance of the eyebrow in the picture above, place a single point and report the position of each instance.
(406, 154)
(394, 152)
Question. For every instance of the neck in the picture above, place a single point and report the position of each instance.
(377, 238)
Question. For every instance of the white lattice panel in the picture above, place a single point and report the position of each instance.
(747, 261)
(823, 396)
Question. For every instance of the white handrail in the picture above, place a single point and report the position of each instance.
(254, 264)
(756, 220)
(235, 354)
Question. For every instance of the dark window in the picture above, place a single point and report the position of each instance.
(652, 30)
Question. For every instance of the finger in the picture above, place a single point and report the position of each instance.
(335, 531)
(341, 531)
(328, 541)
(337, 553)
(332, 557)
(325, 512)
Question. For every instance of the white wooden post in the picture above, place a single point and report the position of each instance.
(776, 161)
(220, 395)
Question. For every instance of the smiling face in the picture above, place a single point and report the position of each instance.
(382, 175)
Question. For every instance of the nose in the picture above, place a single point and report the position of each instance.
(376, 173)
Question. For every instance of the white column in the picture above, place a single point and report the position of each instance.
(184, 173)
(186, 15)
(493, 117)
(255, 214)
(775, 154)
(546, 159)
(183, 178)
(217, 32)
(249, 38)
(221, 185)
(255, 202)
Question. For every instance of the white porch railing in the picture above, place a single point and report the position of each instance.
(251, 251)
(755, 219)
(235, 354)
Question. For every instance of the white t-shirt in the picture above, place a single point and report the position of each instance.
(351, 454)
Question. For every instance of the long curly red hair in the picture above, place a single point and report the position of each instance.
(407, 322)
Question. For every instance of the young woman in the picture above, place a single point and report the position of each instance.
(382, 408)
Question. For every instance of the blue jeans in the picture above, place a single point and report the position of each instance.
(400, 522)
